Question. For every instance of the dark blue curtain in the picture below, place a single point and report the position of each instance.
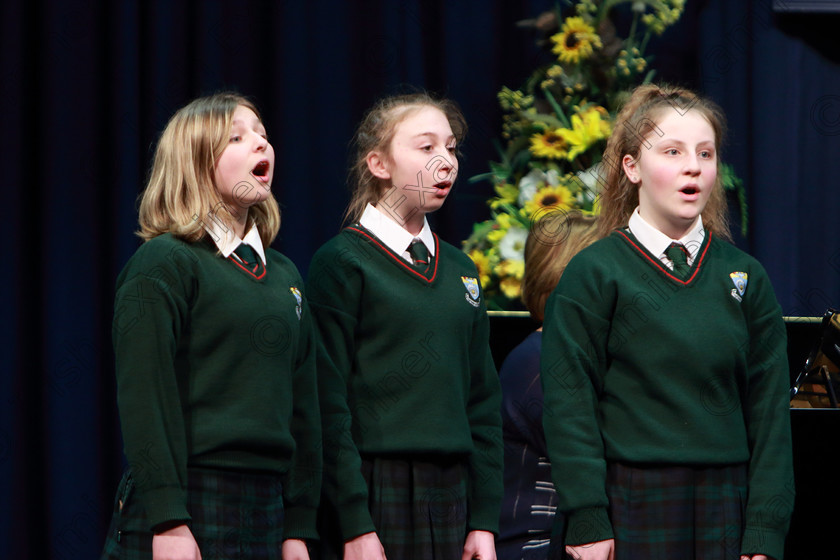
(87, 87)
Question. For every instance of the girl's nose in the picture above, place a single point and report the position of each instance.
(692, 166)
(262, 143)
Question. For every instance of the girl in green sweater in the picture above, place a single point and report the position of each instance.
(410, 395)
(215, 356)
(664, 359)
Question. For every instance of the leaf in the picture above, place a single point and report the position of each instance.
(558, 110)
(734, 184)
(480, 177)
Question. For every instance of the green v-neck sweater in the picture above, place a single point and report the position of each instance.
(642, 367)
(411, 373)
(216, 369)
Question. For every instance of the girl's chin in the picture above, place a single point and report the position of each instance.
(434, 203)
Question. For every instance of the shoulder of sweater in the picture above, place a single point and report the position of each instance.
(347, 237)
(166, 251)
(601, 254)
(728, 253)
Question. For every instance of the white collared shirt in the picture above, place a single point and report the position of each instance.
(227, 241)
(393, 235)
(657, 242)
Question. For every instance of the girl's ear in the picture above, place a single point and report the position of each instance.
(631, 168)
(376, 164)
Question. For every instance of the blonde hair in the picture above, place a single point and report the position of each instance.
(182, 193)
(634, 122)
(375, 133)
(552, 242)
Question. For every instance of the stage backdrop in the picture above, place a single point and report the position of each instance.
(87, 87)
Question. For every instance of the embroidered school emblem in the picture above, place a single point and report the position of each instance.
(471, 284)
(740, 281)
(299, 299)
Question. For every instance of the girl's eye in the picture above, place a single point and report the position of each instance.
(235, 138)
(426, 148)
(705, 154)
(452, 149)
(672, 152)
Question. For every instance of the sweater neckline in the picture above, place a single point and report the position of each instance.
(659, 265)
(428, 277)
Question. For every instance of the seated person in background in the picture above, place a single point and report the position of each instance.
(529, 501)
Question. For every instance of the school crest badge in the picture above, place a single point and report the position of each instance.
(298, 299)
(740, 281)
(472, 295)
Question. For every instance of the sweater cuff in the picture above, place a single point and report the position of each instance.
(164, 505)
(588, 525)
(484, 516)
(762, 540)
(354, 521)
(299, 523)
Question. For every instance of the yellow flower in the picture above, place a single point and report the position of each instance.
(510, 99)
(507, 195)
(558, 197)
(511, 267)
(511, 272)
(577, 40)
(549, 144)
(500, 228)
(511, 287)
(587, 6)
(555, 71)
(641, 63)
(587, 128)
(482, 263)
(664, 15)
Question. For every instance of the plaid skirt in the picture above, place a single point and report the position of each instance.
(419, 508)
(234, 516)
(677, 512)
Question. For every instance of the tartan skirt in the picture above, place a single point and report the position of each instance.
(677, 512)
(234, 516)
(419, 508)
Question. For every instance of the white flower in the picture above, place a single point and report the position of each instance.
(533, 181)
(512, 245)
(590, 179)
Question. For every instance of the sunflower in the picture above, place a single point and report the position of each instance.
(534, 181)
(549, 144)
(587, 128)
(558, 197)
(577, 40)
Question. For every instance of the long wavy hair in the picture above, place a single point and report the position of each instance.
(552, 242)
(375, 133)
(637, 118)
(181, 195)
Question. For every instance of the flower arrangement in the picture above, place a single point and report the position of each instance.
(555, 129)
